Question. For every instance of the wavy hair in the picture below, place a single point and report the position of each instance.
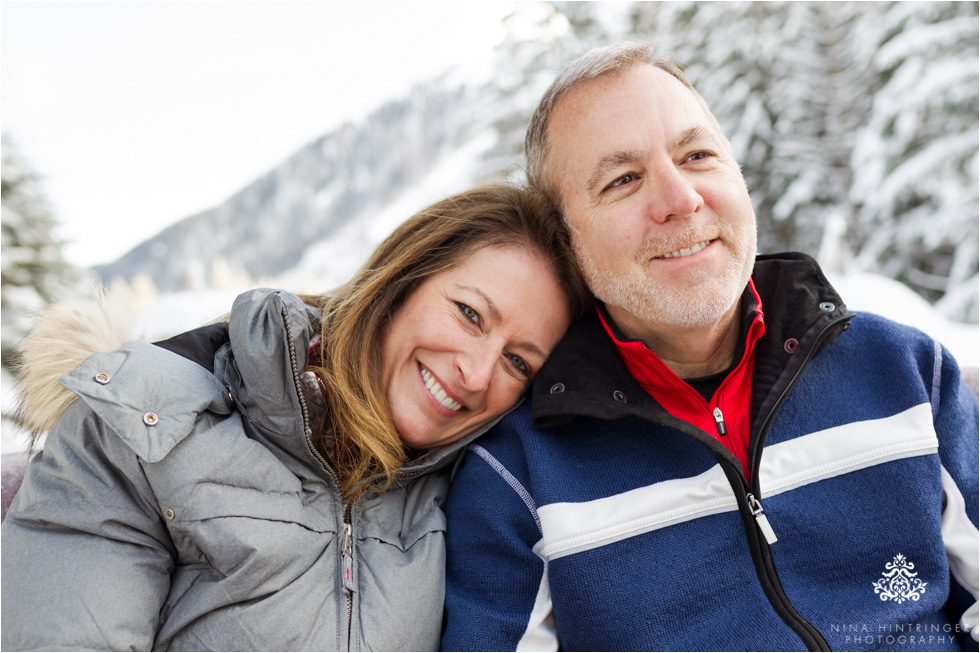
(358, 424)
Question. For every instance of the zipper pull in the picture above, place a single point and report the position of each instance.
(756, 507)
(719, 421)
(348, 557)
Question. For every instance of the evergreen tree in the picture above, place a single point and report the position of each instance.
(915, 158)
(33, 269)
(853, 111)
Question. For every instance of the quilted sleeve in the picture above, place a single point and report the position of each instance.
(86, 559)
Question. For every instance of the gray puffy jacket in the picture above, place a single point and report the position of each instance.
(173, 508)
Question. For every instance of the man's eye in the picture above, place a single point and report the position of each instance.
(698, 156)
(468, 312)
(622, 181)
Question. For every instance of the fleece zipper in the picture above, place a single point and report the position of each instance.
(756, 523)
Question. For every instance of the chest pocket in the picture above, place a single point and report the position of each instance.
(240, 532)
(400, 570)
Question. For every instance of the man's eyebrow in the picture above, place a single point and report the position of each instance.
(691, 135)
(609, 162)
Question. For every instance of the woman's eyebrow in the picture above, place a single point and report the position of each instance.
(530, 346)
(494, 312)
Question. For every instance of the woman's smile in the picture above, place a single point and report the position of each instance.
(464, 346)
(438, 393)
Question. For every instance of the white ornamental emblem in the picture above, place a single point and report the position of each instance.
(899, 583)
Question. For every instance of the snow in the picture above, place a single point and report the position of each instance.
(874, 293)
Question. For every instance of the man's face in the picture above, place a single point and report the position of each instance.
(661, 221)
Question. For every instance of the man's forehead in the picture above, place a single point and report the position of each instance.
(643, 86)
(613, 115)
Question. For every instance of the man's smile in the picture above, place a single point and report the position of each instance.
(687, 251)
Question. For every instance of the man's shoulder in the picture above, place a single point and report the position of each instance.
(512, 429)
(882, 331)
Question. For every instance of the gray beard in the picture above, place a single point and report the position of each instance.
(705, 300)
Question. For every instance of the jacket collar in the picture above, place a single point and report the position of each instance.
(585, 375)
(653, 373)
(270, 334)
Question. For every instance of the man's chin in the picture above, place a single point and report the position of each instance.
(691, 306)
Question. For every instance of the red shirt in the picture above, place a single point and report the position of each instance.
(726, 416)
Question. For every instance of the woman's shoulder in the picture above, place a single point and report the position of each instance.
(151, 398)
(81, 349)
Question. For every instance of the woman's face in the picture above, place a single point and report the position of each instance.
(468, 341)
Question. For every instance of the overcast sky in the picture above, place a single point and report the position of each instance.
(138, 114)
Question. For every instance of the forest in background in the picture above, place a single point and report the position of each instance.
(861, 113)
(857, 114)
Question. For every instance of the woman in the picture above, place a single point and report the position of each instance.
(275, 482)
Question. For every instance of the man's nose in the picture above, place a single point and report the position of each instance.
(476, 366)
(672, 195)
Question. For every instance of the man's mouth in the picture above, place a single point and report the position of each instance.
(437, 391)
(687, 251)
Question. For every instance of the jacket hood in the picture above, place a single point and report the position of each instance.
(63, 336)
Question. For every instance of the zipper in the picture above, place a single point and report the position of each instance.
(347, 569)
(719, 421)
(768, 567)
(764, 430)
(304, 409)
(755, 506)
(347, 547)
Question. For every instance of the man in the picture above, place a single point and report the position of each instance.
(722, 456)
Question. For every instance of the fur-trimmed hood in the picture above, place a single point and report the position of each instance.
(63, 336)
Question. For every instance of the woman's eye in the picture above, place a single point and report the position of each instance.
(520, 365)
(468, 312)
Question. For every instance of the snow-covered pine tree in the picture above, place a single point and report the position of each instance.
(541, 38)
(864, 110)
(915, 157)
(34, 270)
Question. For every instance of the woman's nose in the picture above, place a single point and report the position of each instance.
(476, 368)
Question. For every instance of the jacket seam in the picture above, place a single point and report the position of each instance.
(511, 480)
(937, 377)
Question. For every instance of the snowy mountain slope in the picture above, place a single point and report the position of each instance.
(346, 176)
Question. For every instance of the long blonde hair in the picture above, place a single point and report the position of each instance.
(358, 423)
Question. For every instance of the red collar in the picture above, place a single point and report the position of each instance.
(681, 400)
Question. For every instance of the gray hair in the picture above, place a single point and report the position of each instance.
(598, 62)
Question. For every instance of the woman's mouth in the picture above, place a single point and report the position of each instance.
(437, 392)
